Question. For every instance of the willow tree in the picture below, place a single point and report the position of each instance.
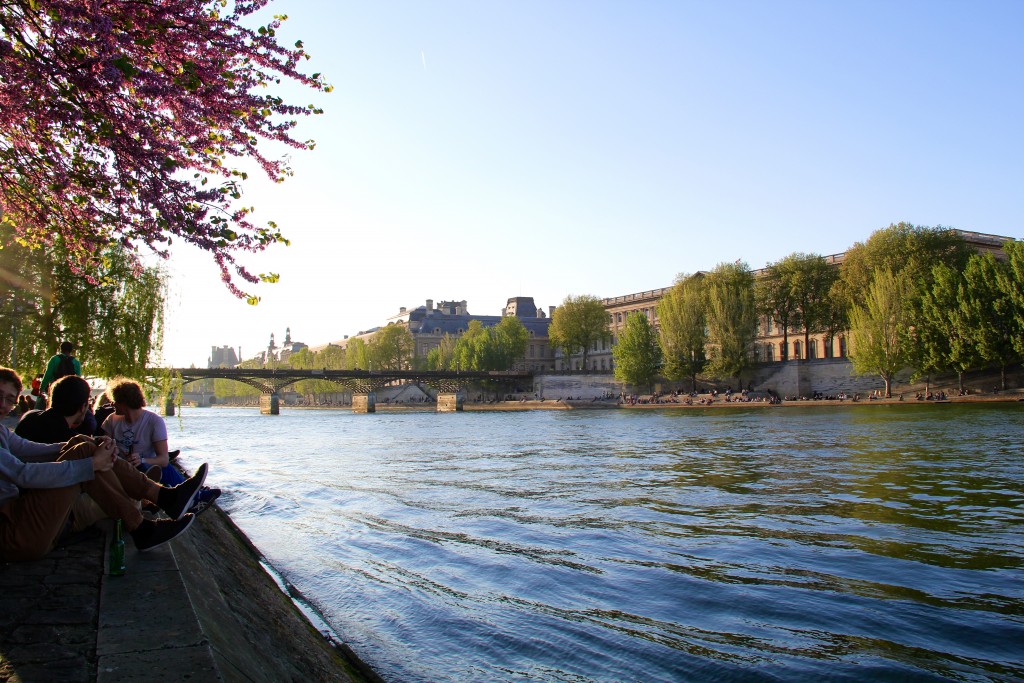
(732, 319)
(683, 329)
(880, 328)
(112, 310)
(637, 354)
(133, 123)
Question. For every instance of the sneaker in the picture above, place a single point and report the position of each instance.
(173, 455)
(154, 473)
(204, 499)
(177, 500)
(150, 533)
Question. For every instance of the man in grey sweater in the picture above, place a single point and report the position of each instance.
(39, 484)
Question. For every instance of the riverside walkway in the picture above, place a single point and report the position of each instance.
(199, 608)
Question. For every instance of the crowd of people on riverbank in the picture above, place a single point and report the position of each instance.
(72, 462)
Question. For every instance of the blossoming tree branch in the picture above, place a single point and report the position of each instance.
(128, 122)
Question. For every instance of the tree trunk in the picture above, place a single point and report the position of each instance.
(960, 380)
(888, 386)
(1002, 377)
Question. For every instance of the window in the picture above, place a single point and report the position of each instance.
(531, 350)
(782, 351)
(769, 352)
(842, 347)
(796, 350)
(618, 317)
(812, 349)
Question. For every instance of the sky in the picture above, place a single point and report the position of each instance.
(483, 150)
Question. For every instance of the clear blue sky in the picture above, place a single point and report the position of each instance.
(484, 150)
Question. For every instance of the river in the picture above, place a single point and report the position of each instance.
(857, 543)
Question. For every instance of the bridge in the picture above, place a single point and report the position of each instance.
(362, 383)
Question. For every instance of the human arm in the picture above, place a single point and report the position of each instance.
(44, 475)
(25, 450)
(160, 456)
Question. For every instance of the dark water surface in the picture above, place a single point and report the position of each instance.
(861, 543)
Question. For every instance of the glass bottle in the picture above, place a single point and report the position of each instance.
(117, 551)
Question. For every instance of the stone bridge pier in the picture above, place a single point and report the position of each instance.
(270, 404)
(365, 402)
(449, 402)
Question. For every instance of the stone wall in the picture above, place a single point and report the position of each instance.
(584, 386)
(794, 378)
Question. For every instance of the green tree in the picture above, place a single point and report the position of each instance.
(391, 348)
(811, 279)
(732, 319)
(472, 348)
(683, 329)
(331, 357)
(880, 328)
(577, 324)
(901, 248)
(775, 297)
(989, 310)
(1011, 285)
(637, 354)
(510, 338)
(357, 356)
(442, 357)
(111, 308)
(940, 338)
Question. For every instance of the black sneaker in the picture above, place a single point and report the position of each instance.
(176, 501)
(150, 533)
(173, 455)
(204, 499)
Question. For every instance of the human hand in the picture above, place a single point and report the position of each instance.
(103, 458)
(134, 458)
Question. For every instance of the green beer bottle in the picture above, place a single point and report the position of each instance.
(117, 551)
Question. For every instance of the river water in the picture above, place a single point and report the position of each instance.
(865, 543)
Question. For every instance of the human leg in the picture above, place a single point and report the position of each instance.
(31, 523)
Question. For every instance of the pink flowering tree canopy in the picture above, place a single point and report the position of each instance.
(129, 122)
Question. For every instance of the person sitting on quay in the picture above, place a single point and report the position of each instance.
(58, 423)
(140, 435)
(39, 484)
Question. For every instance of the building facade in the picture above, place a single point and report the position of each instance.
(429, 323)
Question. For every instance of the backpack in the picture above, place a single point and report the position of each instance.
(66, 366)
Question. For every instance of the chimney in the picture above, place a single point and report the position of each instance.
(551, 311)
(430, 305)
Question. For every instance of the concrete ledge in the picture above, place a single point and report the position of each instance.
(254, 630)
